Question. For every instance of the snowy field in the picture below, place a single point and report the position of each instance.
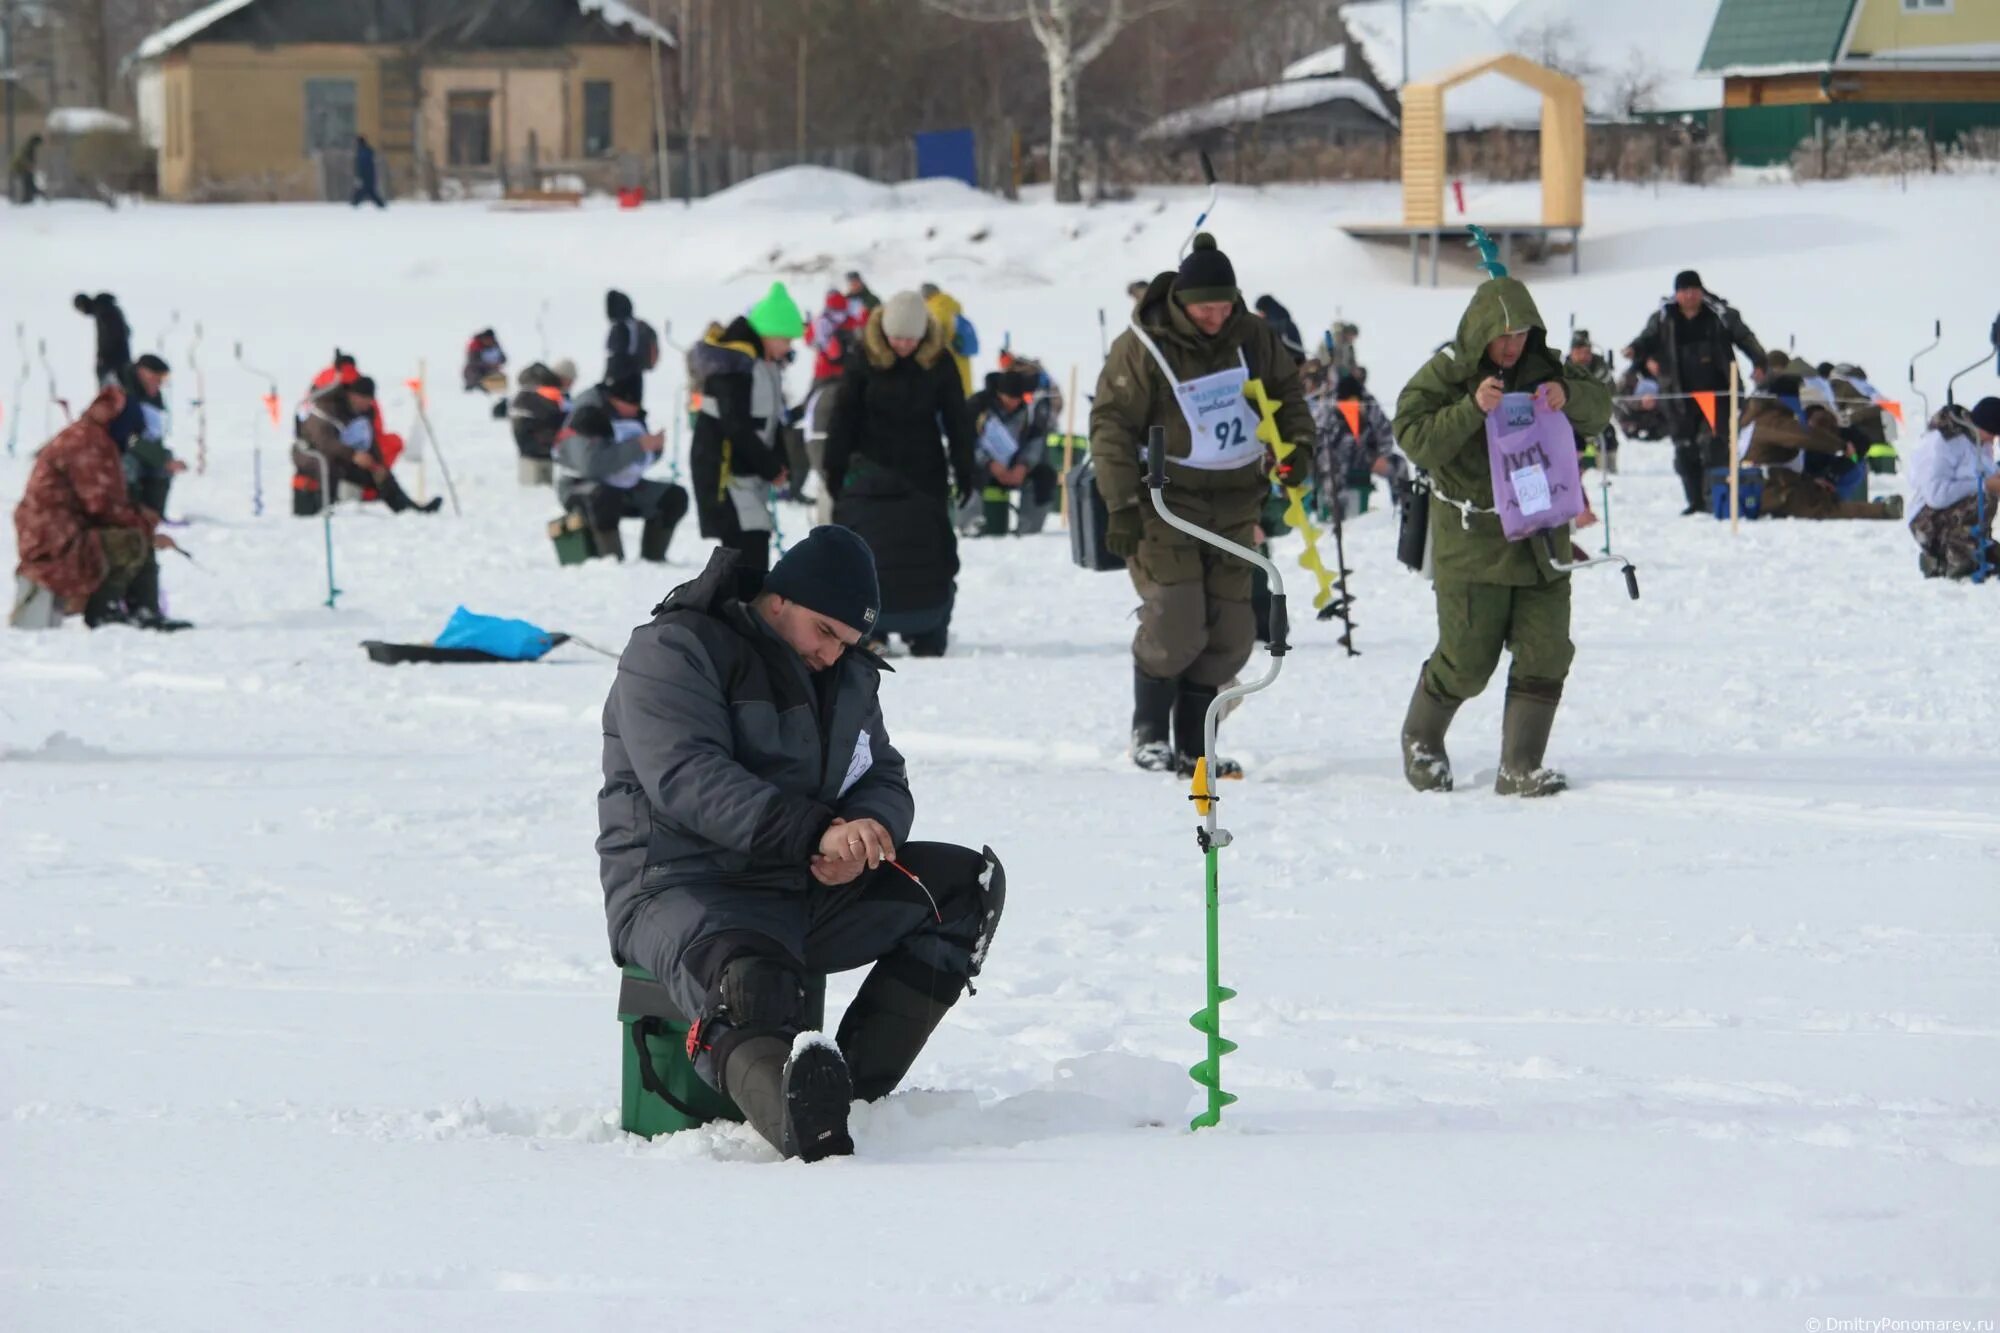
(306, 1013)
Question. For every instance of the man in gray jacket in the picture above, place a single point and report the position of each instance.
(751, 833)
(601, 456)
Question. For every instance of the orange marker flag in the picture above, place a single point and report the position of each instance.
(1706, 402)
(1351, 409)
(416, 386)
(1892, 407)
(271, 406)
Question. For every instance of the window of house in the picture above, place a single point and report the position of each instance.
(1927, 6)
(469, 127)
(597, 118)
(329, 114)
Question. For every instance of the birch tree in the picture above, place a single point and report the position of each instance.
(1072, 34)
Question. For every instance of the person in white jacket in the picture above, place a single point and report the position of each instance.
(1949, 467)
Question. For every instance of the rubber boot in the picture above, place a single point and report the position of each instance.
(1425, 763)
(794, 1093)
(885, 1029)
(1152, 710)
(1688, 464)
(1524, 739)
(654, 539)
(1190, 714)
(608, 543)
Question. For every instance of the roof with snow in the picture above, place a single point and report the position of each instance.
(1615, 48)
(1752, 34)
(1329, 63)
(1258, 104)
(1443, 34)
(1619, 48)
(67, 120)
(615, 13)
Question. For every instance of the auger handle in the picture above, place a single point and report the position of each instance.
(1156, 457)
(1207, 167)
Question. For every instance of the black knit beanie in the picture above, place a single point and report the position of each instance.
(361, 385)
(1687, 278)
(832, 572)
(1206, 274)
(1986, 415)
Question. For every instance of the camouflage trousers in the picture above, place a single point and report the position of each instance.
(1950, 537)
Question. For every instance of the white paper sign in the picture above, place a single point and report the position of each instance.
(859, 763)
(1531, 488)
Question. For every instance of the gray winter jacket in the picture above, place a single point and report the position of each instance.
(588, 448)
(725, 758)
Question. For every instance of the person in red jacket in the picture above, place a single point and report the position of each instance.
(78, 534)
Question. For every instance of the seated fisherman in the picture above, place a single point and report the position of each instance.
(485, 363)
(601, 459)
(337, 437)
(1011, 428)
(1805, 453)
(752, 830)
(537, 414)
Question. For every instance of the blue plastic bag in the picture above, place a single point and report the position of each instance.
(516, 640)
(965, 338)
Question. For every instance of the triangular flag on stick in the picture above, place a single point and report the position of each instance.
(1351, 409)
(271, 405)
(1706, 402)
(1892, 407)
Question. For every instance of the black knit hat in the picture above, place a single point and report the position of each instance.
(590, 421)
(1687, 278)
(626, 389)
(154, 364)
(362, 385)
(1206, 274)
(1986, 415)
(832, 572)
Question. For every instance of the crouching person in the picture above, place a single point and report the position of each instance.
(1949, 466)
(751, 833)
(84, 546)
(1806, 455)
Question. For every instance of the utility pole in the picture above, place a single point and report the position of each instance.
(8, 73)
(801, 136)
(1405, 7)
(659, 106)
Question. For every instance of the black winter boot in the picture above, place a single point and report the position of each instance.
(1152, 711)
(892, 1016)
(655, 537)
(608, 543)
(794, 1093)
(1425, 763)
(1190, 716)
(1524, 739)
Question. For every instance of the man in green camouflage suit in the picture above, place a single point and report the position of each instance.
(1491, 593)
(1180, 366)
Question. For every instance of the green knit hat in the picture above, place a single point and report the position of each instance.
(777, 315)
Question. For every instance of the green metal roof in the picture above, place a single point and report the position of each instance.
(1754, 33)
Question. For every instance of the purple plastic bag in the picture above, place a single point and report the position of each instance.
(1532, 450)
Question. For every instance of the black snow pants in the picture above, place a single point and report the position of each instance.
(925, 937)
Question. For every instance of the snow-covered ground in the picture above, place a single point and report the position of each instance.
(306, 1015)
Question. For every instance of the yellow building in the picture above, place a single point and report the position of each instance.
(1790, 68)
(263, 99)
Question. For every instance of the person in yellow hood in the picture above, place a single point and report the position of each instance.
(959, 334)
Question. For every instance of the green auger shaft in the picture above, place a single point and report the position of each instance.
(1208, 1021)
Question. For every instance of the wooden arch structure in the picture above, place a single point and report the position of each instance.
(1562, 147)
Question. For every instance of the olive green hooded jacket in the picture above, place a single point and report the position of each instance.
(1133, 395)
(1443, 431)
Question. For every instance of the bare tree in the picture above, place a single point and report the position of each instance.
(1636, 87)
(1059, 25)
